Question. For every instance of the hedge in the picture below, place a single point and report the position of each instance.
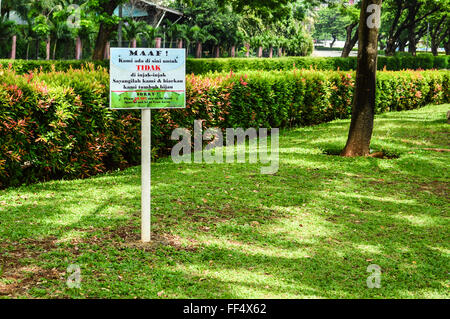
(57, 124)
(25, 66)
(203, 66)
(394, 63)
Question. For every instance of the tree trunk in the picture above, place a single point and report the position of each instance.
(390, 47)
(47, 49)
(271, 52)
(133, 43)
(158, 42)
(412, 12)
(402, 45)
(411, 40)
(363, 106)
(233, 51)
(54, 49)
(180, 43)
(78, 48)
(198, 51)
(332, 42)
(260, 52)
(106, 53)
(392, 34)
(217, 54)
(120, 28)
(434, 48)
(102, 41)
(280, 52)
(349, 40)
(247, 54)
(437, 37)
(38, 43)
(105, 30)
(13, 47)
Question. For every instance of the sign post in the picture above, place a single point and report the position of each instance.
(145, 79)
(146, 174)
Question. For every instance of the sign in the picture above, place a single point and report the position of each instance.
(143, 78)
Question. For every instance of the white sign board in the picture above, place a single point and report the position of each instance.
(147, 78)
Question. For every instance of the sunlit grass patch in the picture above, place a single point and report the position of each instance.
(227, 231)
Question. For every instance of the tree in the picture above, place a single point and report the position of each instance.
(7, 28)
(351, 15)
(363, 107)
(329, 25)
(221, 23)
(107, 23)
(270, 10)
(38, 14)
(438, 26)
(338, 20)
(42, 29)
(403, 18)
(66, 22)
(149, 33)
(199, 36)
(133, 29)
(182, 34)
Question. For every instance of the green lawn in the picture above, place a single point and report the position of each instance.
(226, 231)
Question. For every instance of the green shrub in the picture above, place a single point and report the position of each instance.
(301, 44)
(57, 124)
(207, 65)
(25, 66)
(394, 63)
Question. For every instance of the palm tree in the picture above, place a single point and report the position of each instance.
(133, 29)
(149, 33)
(234, 39)
(200, 36)
(38, 13)
(258, 42)
(183, 35)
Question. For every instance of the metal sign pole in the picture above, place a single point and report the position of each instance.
(146, 173)
(146, 159)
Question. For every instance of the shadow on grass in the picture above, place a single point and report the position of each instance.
(226, 231)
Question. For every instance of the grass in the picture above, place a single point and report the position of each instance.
(226, 231)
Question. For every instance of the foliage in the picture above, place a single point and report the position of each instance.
(332, 21)
(7, 28)
(300, 45)
(203, 66)
(396, 63)
(26, 66)
(406, 22)
(57, 124)
(330, 24)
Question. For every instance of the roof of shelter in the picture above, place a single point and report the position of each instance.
(141, 10)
